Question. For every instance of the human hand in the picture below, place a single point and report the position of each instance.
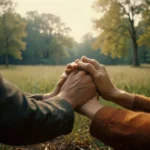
(71, 67)
(90, 108)
(57, 88)
(106, 89)
(78, 88)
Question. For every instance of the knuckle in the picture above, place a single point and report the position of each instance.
(77, 60)
(98, 75)
(93, 61)
(88, 65)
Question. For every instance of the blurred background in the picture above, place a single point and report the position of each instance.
(56, 32)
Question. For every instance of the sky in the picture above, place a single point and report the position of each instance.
(77, 14)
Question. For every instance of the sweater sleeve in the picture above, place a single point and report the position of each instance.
(25, 121)
(123, 129)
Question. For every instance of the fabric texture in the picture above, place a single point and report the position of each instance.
(24, 120)
(124, 129)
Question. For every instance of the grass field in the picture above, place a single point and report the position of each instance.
(41, 79)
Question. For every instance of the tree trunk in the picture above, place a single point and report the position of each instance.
(136, 62)
(133, 33)
(6, 60)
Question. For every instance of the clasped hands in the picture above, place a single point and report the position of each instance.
(81, 85)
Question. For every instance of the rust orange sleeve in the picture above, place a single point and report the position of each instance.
(122, 129)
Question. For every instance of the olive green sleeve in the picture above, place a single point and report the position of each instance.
(25, 121)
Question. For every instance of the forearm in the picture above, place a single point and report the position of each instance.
(26, 121)
(131, 101)
(90, 108)
(123, 99)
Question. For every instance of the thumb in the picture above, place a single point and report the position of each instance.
(62, 80)
(91, 61)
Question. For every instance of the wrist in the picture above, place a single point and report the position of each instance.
(123, 98)
(93, 109)
(116, 94)
(69, 100)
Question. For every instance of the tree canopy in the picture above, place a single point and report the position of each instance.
(47, 38)
(12, 32)
(120, 24)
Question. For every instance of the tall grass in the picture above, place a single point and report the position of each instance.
(42, 79)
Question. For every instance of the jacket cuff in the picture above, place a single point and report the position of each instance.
(37, 97)
(66, 113)
(99, 125)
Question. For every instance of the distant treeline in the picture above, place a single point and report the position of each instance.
(30, 57)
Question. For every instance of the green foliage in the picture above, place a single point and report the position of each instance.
(12, 31)
(86, 49)
(144, 38)
(118, 26)
(47, 38)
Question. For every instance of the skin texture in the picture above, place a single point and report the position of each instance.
(78, 88)
(104, 85)
(101, 78)
(63, 78)
(106, 88)
(90, 108)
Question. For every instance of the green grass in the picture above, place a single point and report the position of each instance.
(41, 79)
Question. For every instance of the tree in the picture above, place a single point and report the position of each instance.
(12, 30)
(47, 38)
(144, 26)
(85, 49)
(119, 25)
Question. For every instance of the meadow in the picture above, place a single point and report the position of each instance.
(42, 79)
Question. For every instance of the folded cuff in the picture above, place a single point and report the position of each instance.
(37, 96)
(101, 121)
(65, 113)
